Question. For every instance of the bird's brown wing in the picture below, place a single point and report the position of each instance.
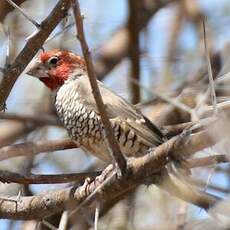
(119, 109)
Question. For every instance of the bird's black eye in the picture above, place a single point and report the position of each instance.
(53, 60)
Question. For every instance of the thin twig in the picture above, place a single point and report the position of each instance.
(181, 215)
(7, 8)
(210, 75)
(201, 183)
(24, 13)
(134, 53)
(33, 148)
(208, 181)
(96, 217)
(176, 25)
(10, 177)
(175, 28)
(11, 131)
(112, 143)
(222, 106)
(63, 221)
(207, 161)
(222, 78)
(165, 98)
(48, 225)
(38, 120)
(173, 130)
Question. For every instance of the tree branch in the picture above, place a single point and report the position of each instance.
(38, 120)
(134, 52)
(12, 130)
(10, 177)
(33, 148)
(6, 8)
(207, 161)
(31, 48)
(142, 170)
(112, 143)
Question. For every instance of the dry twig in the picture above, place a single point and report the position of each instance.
(6, 8)
(112, 143)
(207, 161)
(23, 13)
(10, 177)
(134, 52)
(210, 75)
(63, 221)
(13, 130)
(33, 148)
(38, 120)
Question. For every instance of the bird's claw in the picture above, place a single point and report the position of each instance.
(84, 187)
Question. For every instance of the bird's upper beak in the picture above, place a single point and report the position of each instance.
(36, 69)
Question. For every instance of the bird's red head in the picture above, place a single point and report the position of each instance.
(54, 67)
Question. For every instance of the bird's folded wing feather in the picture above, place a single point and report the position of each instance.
(119, 109)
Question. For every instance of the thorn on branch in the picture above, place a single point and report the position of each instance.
(31, 35)
(210, 73)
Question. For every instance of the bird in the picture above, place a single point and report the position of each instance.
(66, 74)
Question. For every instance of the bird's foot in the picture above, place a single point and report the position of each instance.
(105, 174)
(85, 186)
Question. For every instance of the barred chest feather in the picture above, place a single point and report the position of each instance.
(84, 125)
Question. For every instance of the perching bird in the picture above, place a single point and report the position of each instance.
(66, 73)
(78, 112)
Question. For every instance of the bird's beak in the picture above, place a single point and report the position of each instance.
(36, 69)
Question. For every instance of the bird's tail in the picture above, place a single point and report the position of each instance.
(178, 187)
